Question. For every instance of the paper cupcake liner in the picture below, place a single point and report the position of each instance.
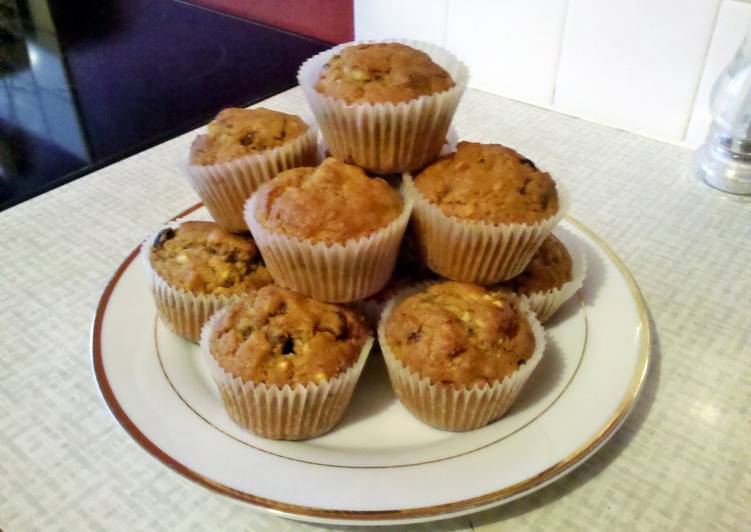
(339, 273)
(545, 304)
(182, 311)
(284, 413)
(385, 138)
(480, 252)
(451, 407)
(224, 187)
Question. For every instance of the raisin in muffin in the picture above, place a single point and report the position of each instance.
(329, 232)
(458, 354)
(195, 268)
(382, 72)
(281, 359)
(242, 149)
(384, 106)
(555, 273)
(493, 204)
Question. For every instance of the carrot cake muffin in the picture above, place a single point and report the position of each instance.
(334, 202)
(384, 106)
(555, 273)
(549, 268)
(202, 257)
(494, 204)
(243, 149)
(329, 232)
(238, 132)
(382, 72)
(296, 361)
(489, 183)
(451, 338)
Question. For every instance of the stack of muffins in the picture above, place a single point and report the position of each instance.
(305, 258)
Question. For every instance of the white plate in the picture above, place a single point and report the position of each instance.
(380, 465)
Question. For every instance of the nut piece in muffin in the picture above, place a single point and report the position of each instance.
(276, 336)
(235, 133)
(334, 202)
(489, 183)
(202, 257)
(460, 334)
(551, 267)
(381, 72)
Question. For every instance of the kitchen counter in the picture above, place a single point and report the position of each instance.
(682, 460)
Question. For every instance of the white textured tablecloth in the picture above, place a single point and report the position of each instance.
(682, 461)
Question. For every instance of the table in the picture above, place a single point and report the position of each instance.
(682, 461)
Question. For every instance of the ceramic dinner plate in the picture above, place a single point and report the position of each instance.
(380, 465)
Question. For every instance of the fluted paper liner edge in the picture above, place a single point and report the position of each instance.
(480, 252)
(224, 187)
(451, 407)
(385, 138)
(182, 311)
(339, 273)
(284, 413)
(546, 304)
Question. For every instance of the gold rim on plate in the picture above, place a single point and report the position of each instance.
(464, 506)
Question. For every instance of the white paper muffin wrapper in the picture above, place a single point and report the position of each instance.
(545, 304)
(182, 311)
(452, 407)
(385, 138)
(284, 413)
(224, 187)
(479, 252)
(338, 273)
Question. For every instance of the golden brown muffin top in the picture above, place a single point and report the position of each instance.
(489, 183)
(280, 337)
(202, 257)
(334, 202)
(383, 72)
(460, 334)
(237, 132)
(549, 268)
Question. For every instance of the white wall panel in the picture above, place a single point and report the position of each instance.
(634, 64)
(511, 46)
(732, 21)
(421, 20)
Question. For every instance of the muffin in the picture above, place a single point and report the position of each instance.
(285, 364)
(552, 277)
(492, 204)
(458, 354)
(330, 232)
(242, 149)
(196, 268)
(385, 106)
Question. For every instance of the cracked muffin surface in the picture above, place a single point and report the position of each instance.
(460, 334)
(281, 337)
(202, 257)
(489, 183)
(333, 202)
(236, 132)
(551, 267)
(380, 73)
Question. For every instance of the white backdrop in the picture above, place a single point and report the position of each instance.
(645, 66)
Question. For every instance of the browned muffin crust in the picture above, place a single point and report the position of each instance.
(383, 72)
(237, 132)
(460, 334)
(202, 257)
(277, 336)
(334, 202)
(489, 183)
(550, 268)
